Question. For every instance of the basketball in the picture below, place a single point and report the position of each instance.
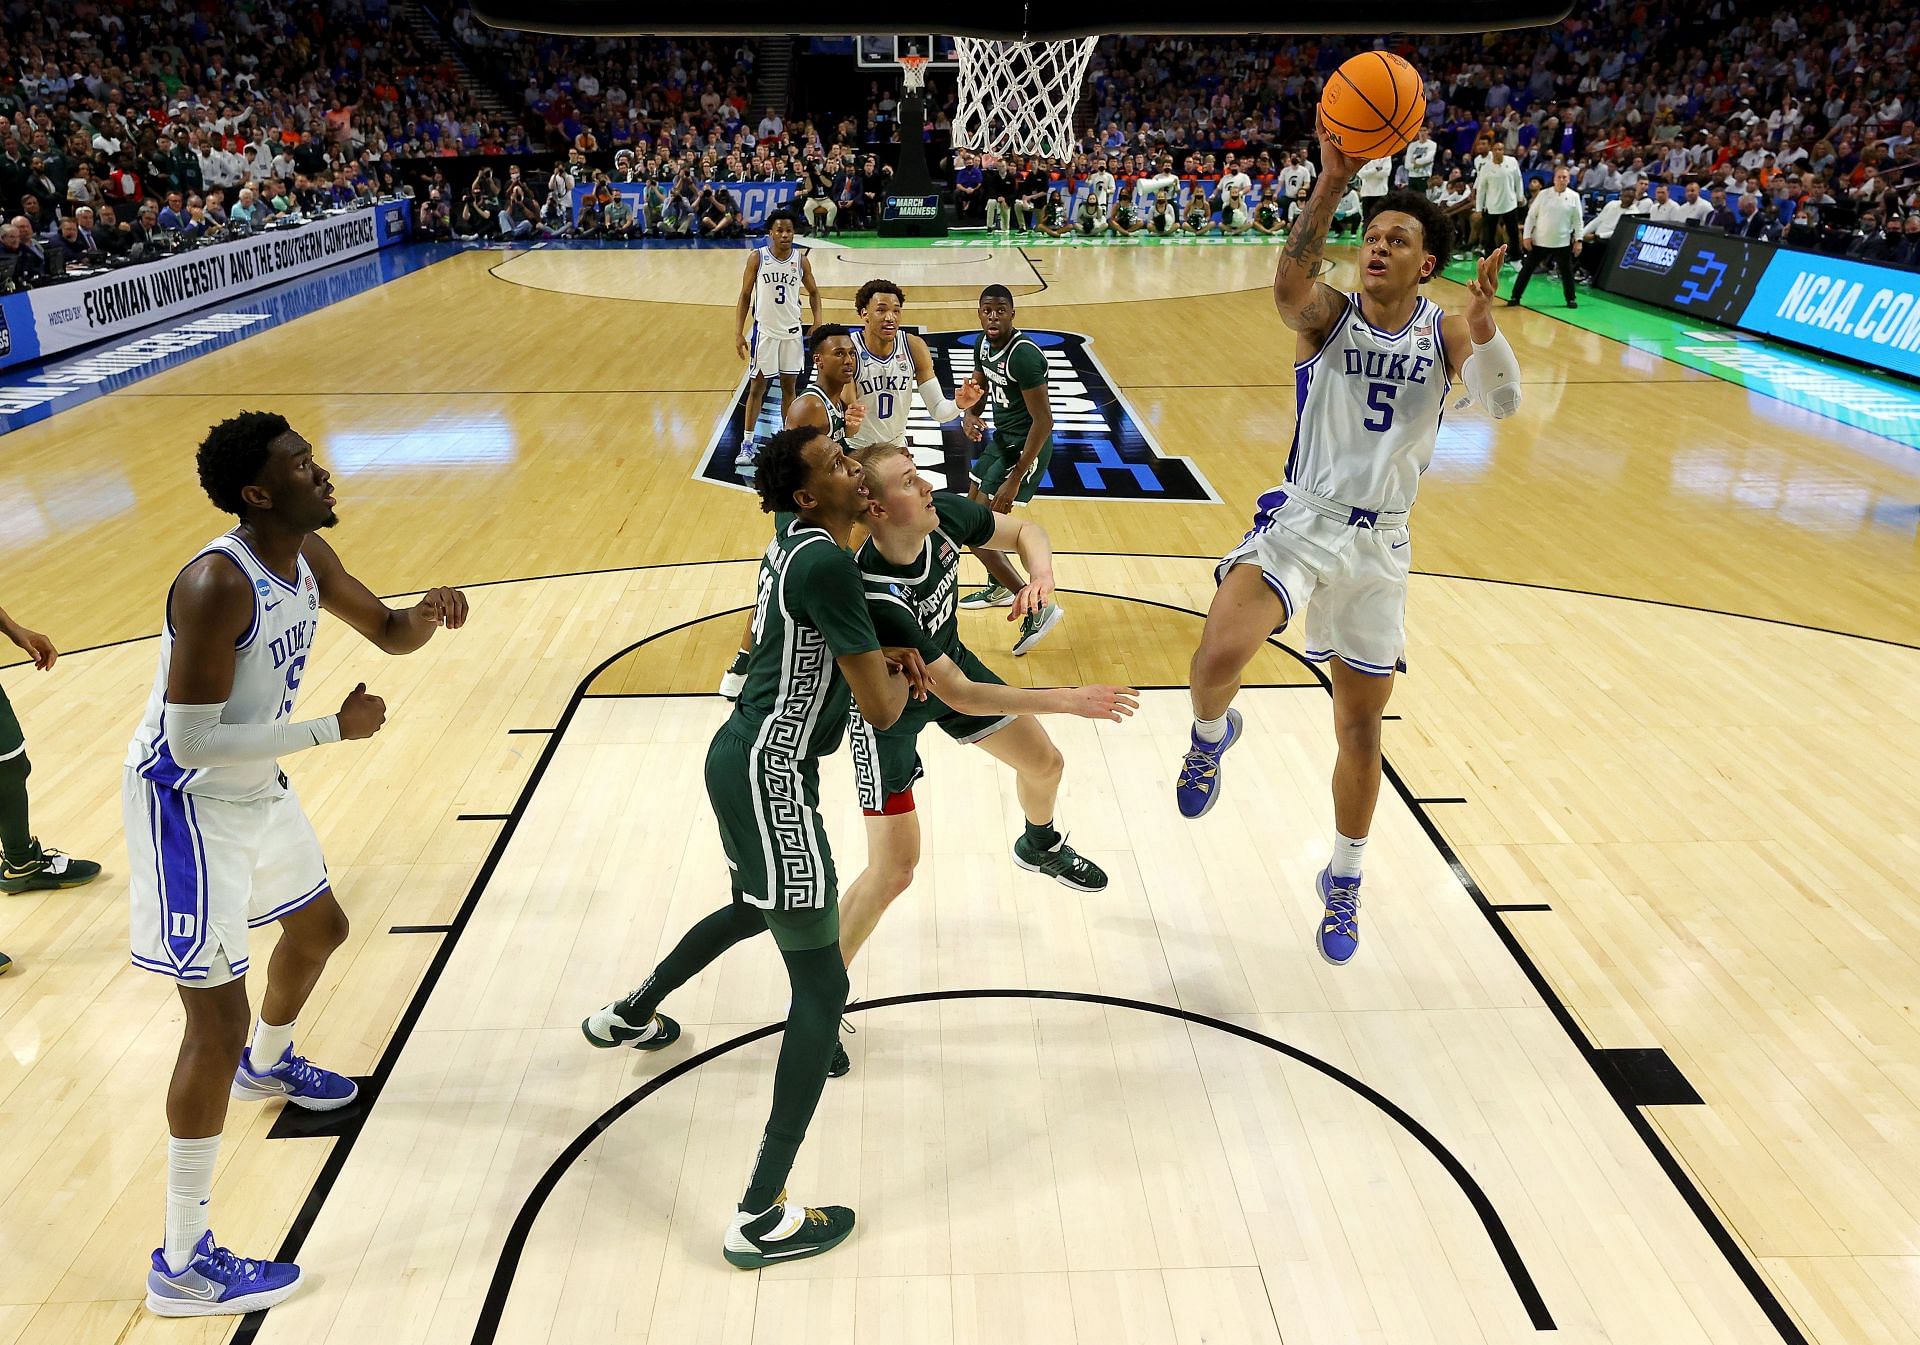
(1373, 105)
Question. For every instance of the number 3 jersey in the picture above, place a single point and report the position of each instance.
(268, 660)
(1370, 403)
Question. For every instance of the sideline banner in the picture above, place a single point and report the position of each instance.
(756, 200)
(1863, 312)
(54, 318)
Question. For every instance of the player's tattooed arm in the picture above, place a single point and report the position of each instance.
(1306, 304)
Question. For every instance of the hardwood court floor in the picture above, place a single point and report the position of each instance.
(1719, 812)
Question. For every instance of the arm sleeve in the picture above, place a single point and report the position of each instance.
(823, 588)
(1028, 365)
(198, 738)
(1492, 376)
(936, 401)
(967, 522)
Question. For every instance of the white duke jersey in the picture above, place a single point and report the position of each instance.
(776, 294)
(885, 386)
(1370, 404)
(268, 661)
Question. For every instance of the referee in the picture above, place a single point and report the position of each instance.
(1551, 234)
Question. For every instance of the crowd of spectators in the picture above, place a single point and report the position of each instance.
(1758, 118)
(1768, 121)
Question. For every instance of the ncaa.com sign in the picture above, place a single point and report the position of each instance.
(1868, 313)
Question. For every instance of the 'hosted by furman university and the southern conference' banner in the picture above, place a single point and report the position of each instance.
(1864, 312)
(53, 318)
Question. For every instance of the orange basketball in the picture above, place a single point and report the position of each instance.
(1373, 105)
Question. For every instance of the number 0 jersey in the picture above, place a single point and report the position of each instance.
(268, 661)
(885, 385)
(1370, 403)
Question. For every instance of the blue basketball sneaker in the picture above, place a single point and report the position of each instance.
(1198, 787)
(747, 460)
(216, 1283)
(296, 1079)
(1339, 934)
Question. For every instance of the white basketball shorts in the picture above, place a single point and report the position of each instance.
(775, 355)
(1352, 581)
(201, 872)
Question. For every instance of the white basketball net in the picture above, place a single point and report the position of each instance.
(1018, 97)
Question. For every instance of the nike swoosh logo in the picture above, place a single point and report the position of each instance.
(795, 1252)
(206, 1291)
(1397, 546)
(272, 605)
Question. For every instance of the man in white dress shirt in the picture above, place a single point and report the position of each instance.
(1665, 209)
(1696, 209)
(1551, 237)
(1420, 155)
(1375, 178)
(1498, 194)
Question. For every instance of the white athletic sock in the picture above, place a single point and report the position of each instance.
(269, 1044)
(1210, 730)
(189, 1187)
(1347, 854)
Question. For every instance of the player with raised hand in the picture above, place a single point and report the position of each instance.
(1373, 369)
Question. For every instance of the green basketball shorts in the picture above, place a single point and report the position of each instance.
(768, 810)
(999, 455)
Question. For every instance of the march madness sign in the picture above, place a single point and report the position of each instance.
(1101, 450)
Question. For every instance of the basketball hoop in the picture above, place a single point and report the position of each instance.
(1018, 97)
(913, 73)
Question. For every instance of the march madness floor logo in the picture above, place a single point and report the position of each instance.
(1101, 450)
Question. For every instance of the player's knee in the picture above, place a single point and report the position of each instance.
(1358, 735)
(218, 1023)
(1049, 765)
(894, 879)
(322, 928)
(1215, 661)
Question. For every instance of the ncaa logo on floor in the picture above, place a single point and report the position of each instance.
(1101, 450)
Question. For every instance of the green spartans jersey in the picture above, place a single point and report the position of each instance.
(1055, 213)
(810, 610)
(836, 418)
(1266, 214)
(1124, 213)
(914, 604)
(1009, 370)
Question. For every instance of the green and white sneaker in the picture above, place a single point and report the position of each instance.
(995, 594)
(786, 1232)
(1061, 863)
(609, 1027)
(1034, 627)
(46, 869)
(5, 962)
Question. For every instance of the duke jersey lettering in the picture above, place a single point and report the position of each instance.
(776, 295)
(885, 385)
(268, 661)
(1370, 404)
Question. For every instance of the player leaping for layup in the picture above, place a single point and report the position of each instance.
(771, 286)
(1372, 371)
